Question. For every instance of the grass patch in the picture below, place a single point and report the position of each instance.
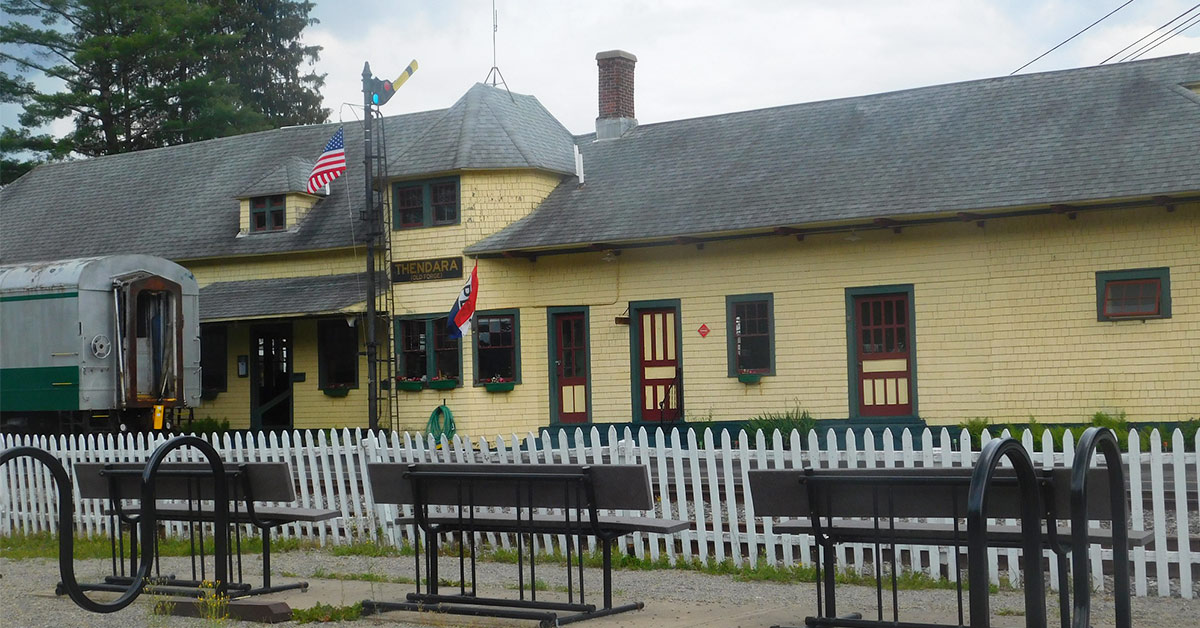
(762, 571)
(45, 545)
(369, 548)
(322, 613)
(325, 574)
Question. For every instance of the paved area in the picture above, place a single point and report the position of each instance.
(673, 598)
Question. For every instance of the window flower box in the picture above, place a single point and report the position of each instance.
(749, 378)
(336, 391)
(409, 385)
(443, 384)
(495, 387)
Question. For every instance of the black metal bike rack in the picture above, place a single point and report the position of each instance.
(147, 524)
(1031, 530)
(1103, 439)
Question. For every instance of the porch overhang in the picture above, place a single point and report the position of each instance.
(290, 297)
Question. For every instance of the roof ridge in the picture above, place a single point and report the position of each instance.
(1032, 75)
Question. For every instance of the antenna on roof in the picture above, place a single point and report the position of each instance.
(494, 74)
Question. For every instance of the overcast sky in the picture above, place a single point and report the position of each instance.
(702, 57)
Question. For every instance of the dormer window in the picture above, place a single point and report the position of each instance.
(267, 213)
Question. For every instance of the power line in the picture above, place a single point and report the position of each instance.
(1169, 35)
(1110, 13)
(1172, 21)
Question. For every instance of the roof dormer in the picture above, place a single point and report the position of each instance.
(279, 200)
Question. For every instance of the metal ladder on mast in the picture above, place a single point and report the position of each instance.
(381, 202)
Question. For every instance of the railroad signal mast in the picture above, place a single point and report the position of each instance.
(376, 92)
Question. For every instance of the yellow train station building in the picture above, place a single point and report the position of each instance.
(1026, 246)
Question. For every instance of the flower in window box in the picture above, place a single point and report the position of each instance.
(409, 384)
(442, 382)
(499, 384)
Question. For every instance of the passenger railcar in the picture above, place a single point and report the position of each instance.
(97, 344)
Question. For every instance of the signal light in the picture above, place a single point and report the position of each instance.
(381, 91)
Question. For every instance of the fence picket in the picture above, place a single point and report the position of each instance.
(1158, 504)
(677, 455)
(1179, 463)
(747, 501)
(714, 496)
(735, 540)
(664, 489)
(1137, 510)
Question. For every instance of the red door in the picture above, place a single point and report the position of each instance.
(658, 365)
(571, 366)
(884, 355)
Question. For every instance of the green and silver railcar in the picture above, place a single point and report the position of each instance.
(97, 344)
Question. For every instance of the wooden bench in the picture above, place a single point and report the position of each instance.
(192, 484)
(463, 498)
(879, 507)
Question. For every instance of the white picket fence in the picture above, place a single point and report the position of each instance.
(694, 477)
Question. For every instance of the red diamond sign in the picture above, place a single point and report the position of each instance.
(703, 330)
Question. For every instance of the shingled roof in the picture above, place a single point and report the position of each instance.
(181, 202)
(290, 296)
(489, 128)
(1122, 131)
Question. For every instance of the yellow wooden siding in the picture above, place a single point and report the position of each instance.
(296, 207)
(336, 262)
(1005, 318)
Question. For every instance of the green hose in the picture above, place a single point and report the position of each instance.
(441, 423)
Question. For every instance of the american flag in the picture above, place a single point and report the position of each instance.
(330, 165)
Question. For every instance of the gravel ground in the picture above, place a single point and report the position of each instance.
(26, 596)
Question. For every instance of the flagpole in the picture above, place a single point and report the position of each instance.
(372, 218)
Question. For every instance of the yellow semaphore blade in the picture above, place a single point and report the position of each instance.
(412, 67)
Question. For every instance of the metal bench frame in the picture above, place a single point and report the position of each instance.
(247, 483)
(579, 492)
(1024, 492)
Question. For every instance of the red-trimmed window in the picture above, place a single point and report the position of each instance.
(1135, 297)
(410, 206)
(412, 349)
(432, 203)
(418, 360)
(267, 213)
(445, 202)
(496, 348)
(1133, 294)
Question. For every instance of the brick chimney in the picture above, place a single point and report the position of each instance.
(616, 94)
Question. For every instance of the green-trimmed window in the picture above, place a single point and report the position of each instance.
(214, 357)
(497, 347)
(337, 354)
(421, 360)
(267, 213)
(1133, 294)
(750, 333)
(431, 203)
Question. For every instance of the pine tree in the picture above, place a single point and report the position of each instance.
(140, 74)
